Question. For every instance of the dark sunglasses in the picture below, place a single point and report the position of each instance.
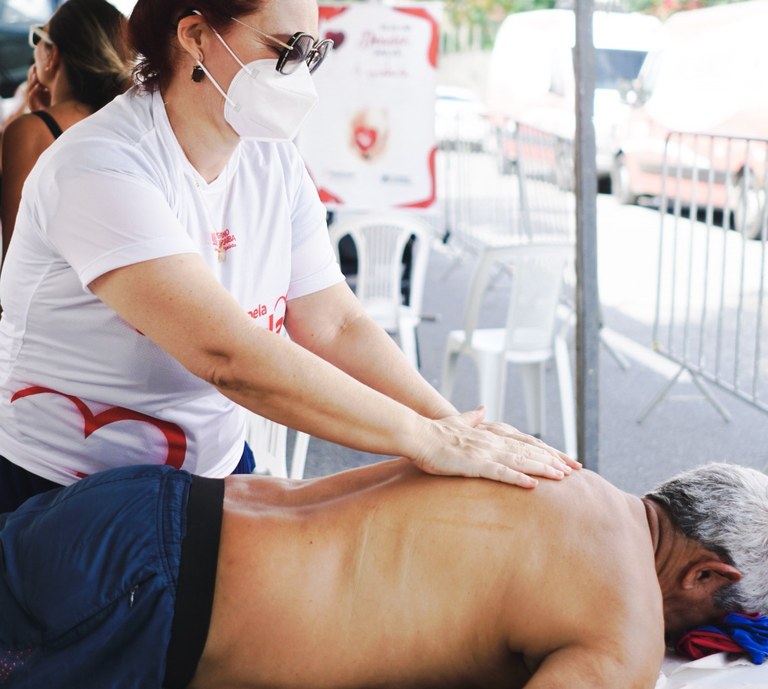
(301, 47)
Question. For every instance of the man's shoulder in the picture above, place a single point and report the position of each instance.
(593, 565)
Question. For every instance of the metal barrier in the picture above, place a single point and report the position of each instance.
(519, 191)
(711, 302)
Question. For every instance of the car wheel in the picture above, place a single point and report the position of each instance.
(748, 210)
(620, 185)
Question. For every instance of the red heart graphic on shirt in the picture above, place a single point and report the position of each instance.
(365, 138)
(174, 435)
(277, 317)
(337, 37)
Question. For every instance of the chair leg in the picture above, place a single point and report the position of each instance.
(448, 378)
(533, 390)
(567, 402)
(299, 459)
(407, 335)
(492, 372)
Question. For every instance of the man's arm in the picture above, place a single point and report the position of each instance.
(610, 665)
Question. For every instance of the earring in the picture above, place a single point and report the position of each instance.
(197, 74)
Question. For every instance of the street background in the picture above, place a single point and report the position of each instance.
(683, 431)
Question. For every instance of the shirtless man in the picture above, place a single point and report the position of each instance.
(381, 576)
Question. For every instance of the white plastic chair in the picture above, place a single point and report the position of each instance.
(380, 240)
(530, 338)
(268, 441)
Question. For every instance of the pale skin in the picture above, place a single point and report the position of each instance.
(27, 136)
(341, 377)
(384, 576)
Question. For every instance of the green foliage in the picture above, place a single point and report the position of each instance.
(481, 12)
(480, 19)
(483, 17)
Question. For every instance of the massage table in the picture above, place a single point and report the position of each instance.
(718, 671)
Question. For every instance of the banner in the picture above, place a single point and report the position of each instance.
(370, 143)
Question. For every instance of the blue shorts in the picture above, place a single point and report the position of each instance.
(108, 583)
(17, 484)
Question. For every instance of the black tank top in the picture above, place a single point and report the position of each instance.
(52, 124)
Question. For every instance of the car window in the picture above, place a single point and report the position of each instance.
(614, 66)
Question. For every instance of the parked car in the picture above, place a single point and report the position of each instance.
(531, 79)
(707, 76)
(461, 120)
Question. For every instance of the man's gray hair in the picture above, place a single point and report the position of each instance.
(725, 508)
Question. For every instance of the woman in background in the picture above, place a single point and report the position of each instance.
(82, 60)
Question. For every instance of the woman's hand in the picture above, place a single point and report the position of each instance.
(38, 96)
(507, 431)
(463, 445)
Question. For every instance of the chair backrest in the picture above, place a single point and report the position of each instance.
(380, 241)
(536, 272)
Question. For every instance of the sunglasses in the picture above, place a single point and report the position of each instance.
(37, 34)
(301, 47)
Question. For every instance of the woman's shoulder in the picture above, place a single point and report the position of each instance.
(127, 118)
(27, 131)
(113, 139)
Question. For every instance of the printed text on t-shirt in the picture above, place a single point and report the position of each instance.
(270, 319)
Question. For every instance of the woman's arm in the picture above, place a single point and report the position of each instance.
(333, 324)
(178, 304)
(24, 140)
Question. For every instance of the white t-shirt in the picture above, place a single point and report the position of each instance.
(80, 389)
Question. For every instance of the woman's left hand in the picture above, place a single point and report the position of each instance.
(463, 445)
(507, 431)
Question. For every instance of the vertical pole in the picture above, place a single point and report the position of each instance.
(587, 299)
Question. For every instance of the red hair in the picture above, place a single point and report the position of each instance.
(152, 30)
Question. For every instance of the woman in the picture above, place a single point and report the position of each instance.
(81, 62)
(162, 249)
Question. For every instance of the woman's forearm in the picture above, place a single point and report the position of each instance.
(299, 389)
(178, 304)
(369, 354)
(336, 328)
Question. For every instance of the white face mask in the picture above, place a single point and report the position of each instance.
(263, 104)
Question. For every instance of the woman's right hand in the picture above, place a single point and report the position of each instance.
(461, 445)
(38, 96)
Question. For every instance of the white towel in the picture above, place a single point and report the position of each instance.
(717, 671)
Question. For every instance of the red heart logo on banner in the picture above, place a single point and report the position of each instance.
(174, 435)
(365, 138)
(337, 37)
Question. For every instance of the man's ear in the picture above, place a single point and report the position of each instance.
(708, 575)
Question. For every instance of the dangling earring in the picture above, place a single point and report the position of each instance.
(197, 74)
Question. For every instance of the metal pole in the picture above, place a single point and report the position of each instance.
(587, 297)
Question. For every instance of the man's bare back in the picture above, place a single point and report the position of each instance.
(386, 577)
